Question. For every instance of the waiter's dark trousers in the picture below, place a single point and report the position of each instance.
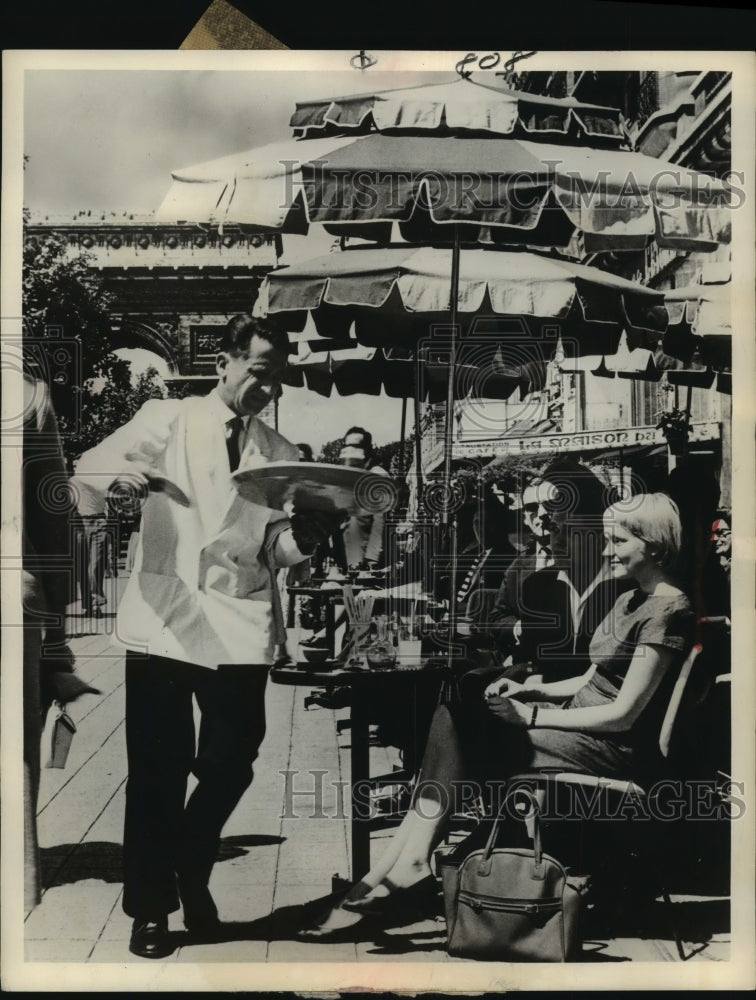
(165, 836)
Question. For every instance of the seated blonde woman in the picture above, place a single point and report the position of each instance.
(605, 722)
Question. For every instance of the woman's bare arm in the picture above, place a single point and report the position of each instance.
(648, 666)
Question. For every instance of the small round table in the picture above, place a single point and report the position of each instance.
(363, 685)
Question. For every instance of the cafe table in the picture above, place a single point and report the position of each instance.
(363, 683)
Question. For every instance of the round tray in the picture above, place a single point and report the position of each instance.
(315, 486)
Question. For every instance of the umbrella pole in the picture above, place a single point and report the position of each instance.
(688, 402)
(418, 451)
(449, 518)
(403, 435)
(449, 426)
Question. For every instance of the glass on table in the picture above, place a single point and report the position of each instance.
(381, 653)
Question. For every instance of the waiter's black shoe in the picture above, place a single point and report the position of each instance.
(150, 938)
(200, 912)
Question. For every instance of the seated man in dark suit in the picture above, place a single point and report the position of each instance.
(546, 614)
(506, 614)
(563, 604)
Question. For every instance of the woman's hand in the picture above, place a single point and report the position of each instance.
(510, 711)
(504, 687)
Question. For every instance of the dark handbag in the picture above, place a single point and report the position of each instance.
(511, 904)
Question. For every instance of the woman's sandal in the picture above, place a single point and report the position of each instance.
(319, 933)
(335, 935)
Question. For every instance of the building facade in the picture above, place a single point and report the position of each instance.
(172, 286)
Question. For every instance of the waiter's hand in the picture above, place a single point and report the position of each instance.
(312, 527)
(128, 489)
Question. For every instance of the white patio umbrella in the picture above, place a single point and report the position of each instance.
(466, 104)
(491, 190)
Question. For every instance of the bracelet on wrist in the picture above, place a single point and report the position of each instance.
(533, 717)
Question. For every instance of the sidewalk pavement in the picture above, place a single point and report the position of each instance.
(269, 864)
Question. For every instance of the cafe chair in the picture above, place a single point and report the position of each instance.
(691, 688)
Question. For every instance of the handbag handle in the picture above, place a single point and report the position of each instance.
(484, 866)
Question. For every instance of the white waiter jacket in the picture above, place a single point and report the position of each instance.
(203, 588)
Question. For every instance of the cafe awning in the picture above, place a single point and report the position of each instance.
(325, 367)
(649, 366)
(496, 190)
(396, 296)
(460, 105)
(700, 320)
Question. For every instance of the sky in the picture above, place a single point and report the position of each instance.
(108, 140)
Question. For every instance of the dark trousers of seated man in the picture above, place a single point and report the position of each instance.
(167, 838)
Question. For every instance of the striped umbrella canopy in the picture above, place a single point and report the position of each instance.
(651, 365)
(396, 296)
(329, 368)
(700, 323)
(462, 105)
(696, 349)
(486, 190)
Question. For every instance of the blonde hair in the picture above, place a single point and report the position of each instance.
(655, 519)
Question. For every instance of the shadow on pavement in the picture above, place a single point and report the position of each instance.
(696, 920)
(285, 921)
(230, 847)
(65, 864)
(68, 863)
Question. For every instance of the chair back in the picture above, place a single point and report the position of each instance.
(479, 605)
(673, 715)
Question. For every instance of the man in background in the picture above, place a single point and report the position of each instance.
(564, 603)
(92, 552)
(505, 617)
(363, 534)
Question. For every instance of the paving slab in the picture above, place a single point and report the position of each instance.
(118, 952)
(57, 950)
(299, 951)
(224, 951)
(258, 869)
(72, 912)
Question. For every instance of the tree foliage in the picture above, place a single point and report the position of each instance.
(105, 411)
(392, 457)
(69, 343)
(330, 451)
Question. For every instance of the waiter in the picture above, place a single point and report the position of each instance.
(200, 618)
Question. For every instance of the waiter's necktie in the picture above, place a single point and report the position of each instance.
(233, 430)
